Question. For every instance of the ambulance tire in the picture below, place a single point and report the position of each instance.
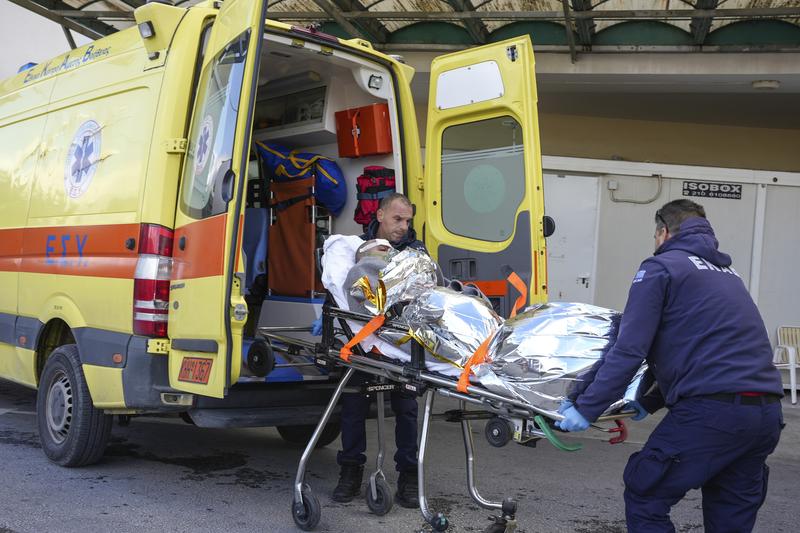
(300, 435)
(71, 430)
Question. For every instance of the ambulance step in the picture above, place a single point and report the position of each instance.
(258, 417)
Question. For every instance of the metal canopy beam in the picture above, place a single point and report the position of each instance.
(70, 38)
(336, 14)
(107, 15)
(93, 29)
(701, 26)
(476, 27)
(668, 14)
(584, 26)
(573, 54)
(374, 27)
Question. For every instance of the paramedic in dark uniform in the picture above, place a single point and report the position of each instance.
(392, 223)
(690, 316)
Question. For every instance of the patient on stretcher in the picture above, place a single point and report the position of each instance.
(538, 357)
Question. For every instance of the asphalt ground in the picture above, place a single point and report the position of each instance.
(161, 474)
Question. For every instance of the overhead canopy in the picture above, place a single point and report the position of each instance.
(576, 25)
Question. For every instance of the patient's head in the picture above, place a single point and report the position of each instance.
(379, 248)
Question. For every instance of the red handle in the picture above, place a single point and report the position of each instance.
(622, 429)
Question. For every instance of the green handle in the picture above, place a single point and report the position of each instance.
(555, 441)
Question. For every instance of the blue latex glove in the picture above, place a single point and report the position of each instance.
(316, 327)
(565, 404)
(636, 406)
(573, 420)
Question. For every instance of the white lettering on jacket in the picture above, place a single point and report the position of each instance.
(703, 264)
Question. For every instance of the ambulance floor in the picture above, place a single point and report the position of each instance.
(164, 475)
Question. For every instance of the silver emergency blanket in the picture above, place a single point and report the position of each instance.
(449, 324)
(541, 356)
(407, 275)
(545, 354)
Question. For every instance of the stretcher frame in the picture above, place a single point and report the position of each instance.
(530, 423)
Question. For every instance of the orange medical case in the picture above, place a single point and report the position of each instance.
(363, 131)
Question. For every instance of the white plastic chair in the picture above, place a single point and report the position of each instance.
(785, 355)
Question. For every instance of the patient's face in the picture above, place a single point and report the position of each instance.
(378, 248)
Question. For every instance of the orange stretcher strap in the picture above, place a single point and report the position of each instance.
(477, 358)
(368, 329)
(518, 284)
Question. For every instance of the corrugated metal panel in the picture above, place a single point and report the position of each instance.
(514, 5)
(622, 30)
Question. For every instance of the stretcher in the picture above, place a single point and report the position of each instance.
(507, 418)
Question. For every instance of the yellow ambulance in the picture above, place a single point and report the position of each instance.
(131, 231)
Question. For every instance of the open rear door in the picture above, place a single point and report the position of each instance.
(207, 311)
(484, 204)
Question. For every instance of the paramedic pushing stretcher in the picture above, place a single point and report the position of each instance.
(690, 315)
(392, 223)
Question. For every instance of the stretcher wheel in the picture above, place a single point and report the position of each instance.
(439, 522)
(383, 503)
(498, 432)
(306, 514)
(260, 359)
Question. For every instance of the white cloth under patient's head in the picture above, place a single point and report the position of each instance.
(337, 260)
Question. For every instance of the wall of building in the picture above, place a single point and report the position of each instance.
(664, 142)
(756, 228)
(671, 142)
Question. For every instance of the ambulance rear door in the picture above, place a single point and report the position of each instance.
(484, 204)
(207, 311)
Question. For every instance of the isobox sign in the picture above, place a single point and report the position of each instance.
(712, 189)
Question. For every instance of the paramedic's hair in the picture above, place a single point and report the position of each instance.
(387, 201)
(674, 213)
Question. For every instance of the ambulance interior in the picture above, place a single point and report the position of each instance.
(301, 89)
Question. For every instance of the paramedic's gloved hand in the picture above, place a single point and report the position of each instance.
(641, 412)
(565, 404)
(316, 327)
(573, 420)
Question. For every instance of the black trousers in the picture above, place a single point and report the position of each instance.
(355, 408)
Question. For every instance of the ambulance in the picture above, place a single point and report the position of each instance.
(139, 234)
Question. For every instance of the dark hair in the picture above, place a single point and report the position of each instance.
(387, 200)
(674, 213)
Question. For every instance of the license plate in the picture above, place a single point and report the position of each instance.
(195, 370)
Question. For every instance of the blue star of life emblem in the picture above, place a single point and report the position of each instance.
(202, 149)
(82, 159)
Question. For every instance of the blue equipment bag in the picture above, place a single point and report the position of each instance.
(282, 164)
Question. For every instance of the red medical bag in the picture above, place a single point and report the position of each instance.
(373, 185)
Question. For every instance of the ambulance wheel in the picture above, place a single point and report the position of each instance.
(383, 503)
(72, 431)
(300, 435)
(498, 432)
(306, 514)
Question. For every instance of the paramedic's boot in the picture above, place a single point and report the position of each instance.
(350, 479)
(407, 490)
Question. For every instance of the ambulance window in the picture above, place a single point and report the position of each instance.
(483, 178)
(210, 150)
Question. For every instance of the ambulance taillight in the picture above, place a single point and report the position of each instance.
(151, 283)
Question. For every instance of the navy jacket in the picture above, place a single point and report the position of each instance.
(409, 241)
(690, 315)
